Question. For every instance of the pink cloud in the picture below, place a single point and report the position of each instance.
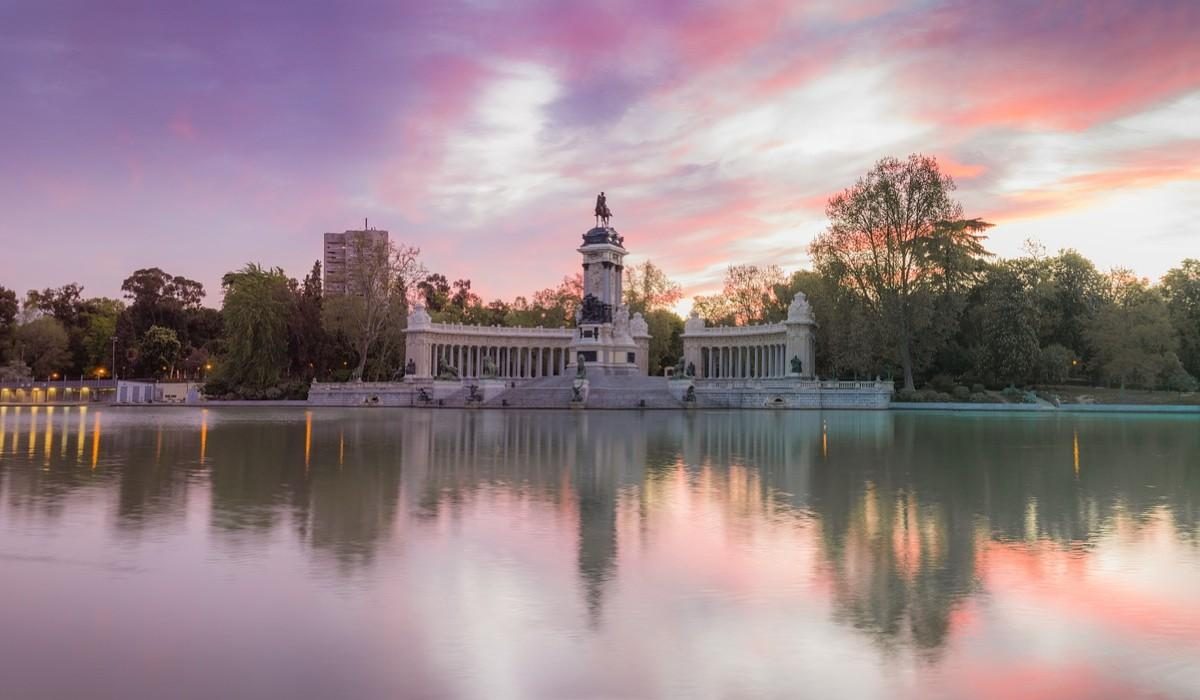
(1134, 170)
(181, 125)
(1049, 65)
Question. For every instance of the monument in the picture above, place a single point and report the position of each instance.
(603, 361)
(606, 337)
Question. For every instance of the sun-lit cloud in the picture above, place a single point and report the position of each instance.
(481, 131)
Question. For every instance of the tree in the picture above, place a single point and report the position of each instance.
(648, 288)
(1077, 291)
(64, 303)
(435, 292)
(553, 307)
(848, 342)
(159, 351)
(255, 312)
(666, 341)
(1055, 363)
(42, 344)
(463, 298)
(308, 341)
(372, 314)
(160, 299)
(8, 320)
(100, 325)
(716, 309)
(1009, 339)
(1132, 337)
(879, 242)
(1181, 289)
(750, 290)
(747, 296)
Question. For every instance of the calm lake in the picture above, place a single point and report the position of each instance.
(379, 553)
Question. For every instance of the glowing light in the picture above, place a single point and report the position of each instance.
(62, 447)
(95, 440)
(1075, 448)
(16, 435)
(203, 433)
(33, 430)
(307, 436)
(341, 447)
(3, 427)
(80, 435)
(824, 440)
(48, 440)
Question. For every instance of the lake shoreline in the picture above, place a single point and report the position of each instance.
(1175, 409)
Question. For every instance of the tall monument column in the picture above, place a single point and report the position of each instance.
(604, 330)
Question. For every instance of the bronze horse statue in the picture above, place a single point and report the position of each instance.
(603, 213)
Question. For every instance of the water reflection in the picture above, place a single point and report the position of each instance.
(547, 554)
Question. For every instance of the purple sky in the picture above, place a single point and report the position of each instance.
(197, 137)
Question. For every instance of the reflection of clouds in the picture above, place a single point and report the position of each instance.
(547, 554)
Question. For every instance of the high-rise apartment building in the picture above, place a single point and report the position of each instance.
(341, 249)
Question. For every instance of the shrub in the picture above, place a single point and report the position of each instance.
(927, 396)
(1054, 363)
(1012, 393)
(961, 393)
(273, 393)
(296, 391)
(978, 389)
(981, 397)
(942, 382)
(906, 396)
(1180, 380)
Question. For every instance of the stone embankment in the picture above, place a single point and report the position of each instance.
(608, 391)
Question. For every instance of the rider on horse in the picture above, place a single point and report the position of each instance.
(603, 213)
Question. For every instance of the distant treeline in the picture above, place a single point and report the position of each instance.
(902, 286)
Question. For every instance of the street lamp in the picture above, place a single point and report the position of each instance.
(114, 343)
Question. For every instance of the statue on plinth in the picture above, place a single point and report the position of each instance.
(580, 367)
(489, 368)
(603, 213)
(446, 371)
(410, 369)
(797, 365)
(592, 310)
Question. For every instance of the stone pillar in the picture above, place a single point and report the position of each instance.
(800, 331)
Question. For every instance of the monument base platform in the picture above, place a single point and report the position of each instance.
(608, 390)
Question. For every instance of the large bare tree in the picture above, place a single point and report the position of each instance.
(881, 234)
(381, 279)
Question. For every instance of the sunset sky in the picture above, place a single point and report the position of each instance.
(197, 137)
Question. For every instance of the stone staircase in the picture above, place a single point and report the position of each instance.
(614, 391)
(544, 392)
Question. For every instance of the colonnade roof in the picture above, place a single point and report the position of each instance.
(495, 332)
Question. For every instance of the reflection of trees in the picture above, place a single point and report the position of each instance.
(900, 522)
(905, 503)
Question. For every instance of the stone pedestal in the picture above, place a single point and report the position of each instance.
(604, 338)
